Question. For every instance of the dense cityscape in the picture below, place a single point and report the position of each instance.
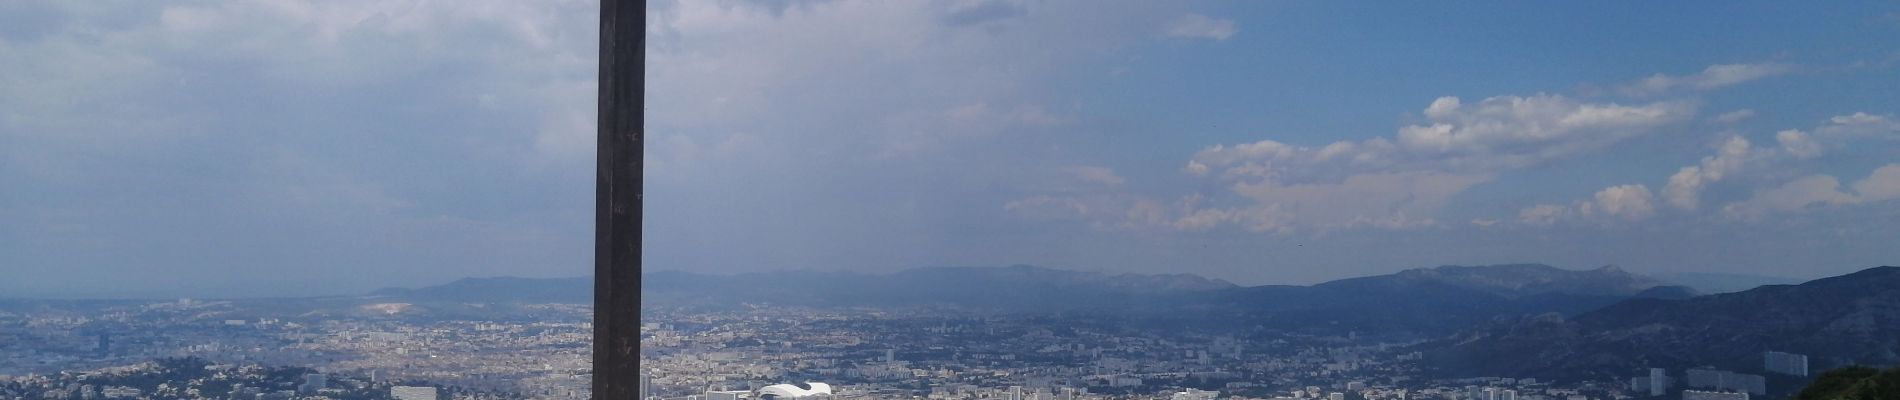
(262, 350)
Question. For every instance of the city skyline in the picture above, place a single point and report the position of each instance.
(173, 149)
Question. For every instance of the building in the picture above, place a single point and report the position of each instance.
(1355, 386)
(313, 383)
(1335, 396)
(1785, 363)
(1701, 395)
(1704, 378)
(811, 390)
(412, 392)
(1195, 394)
(1658, 381)
(1727, 381)
(646, 386)
(725, 394)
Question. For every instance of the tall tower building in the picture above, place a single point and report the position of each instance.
(1658, 381)
(646, 386)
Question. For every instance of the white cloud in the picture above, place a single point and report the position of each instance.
(1196, 26)
(1734, 116)
(1626, 202)
(1631, 202)
(1798, 144)
(1684, 190)
(1499, 133)
(1794, 196)
(1403, 180)
(1859, 125)
(1377, 199)
(1713, 77)
(1543, 214)
(1882, 185)
(1098, 175)
(1511, 131)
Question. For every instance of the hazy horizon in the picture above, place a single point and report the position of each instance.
(254, 293)
(326, 148)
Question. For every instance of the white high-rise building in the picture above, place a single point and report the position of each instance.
(1700, 395)
(412, 392)
(646, 386)
(1658, 381)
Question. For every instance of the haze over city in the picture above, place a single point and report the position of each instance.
(233, 149)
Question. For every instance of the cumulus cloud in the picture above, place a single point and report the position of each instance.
(337, 137)
(1196, 26)
(1624, 202)
(1882, 185)
(1797, 195)
(1498, 133)
(1735, 155)
(1860, 125)
(1798, 144)
(1403, 180)
(1511, 131)
(1684, 190)
(1631, 202)
(1815, 191)
(1713, 77)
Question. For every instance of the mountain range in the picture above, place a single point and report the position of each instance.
(1423, 301)
(1441, 300)
(1843, 320)
(1520, 320)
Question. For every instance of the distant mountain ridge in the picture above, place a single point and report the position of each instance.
(1516, 280)
(942, 284)
(1720, 282)
(1017, 288)
(1423, 301)
(1842, 320)
(1436, 301)
(501, 290)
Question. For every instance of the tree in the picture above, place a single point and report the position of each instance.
(1854, 383)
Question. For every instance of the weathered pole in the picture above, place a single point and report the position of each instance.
(617, 199)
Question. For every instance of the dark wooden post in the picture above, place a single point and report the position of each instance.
(617, 199)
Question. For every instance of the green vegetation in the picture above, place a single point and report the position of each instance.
(1854, 383)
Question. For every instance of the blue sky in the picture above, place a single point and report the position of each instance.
(287, 147)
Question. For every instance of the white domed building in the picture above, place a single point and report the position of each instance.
(786, 391)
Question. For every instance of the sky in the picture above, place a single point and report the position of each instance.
(273, 148)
